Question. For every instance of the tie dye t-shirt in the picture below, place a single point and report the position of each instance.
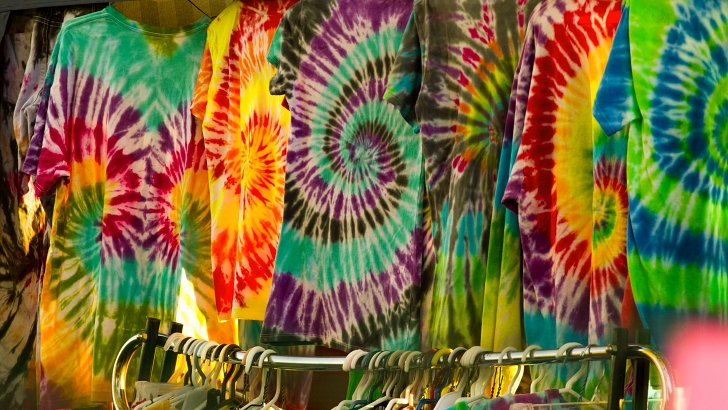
(131, 224)
(450, 81)
(349, 264)
(568, 183)
(246, 131)
(667, 78)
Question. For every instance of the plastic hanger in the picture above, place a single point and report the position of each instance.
(349, 364)
(432, 361)
(388, 389)
(271, 404)
(411, 389)
(373, 382)
(449, 399)
(568, 389)
(469, 361)
(172, 343)
(218, 353)
(516, 379)
(260, 400)
(230, 379)
(368, 379)
(402, 399)
(484, 377)
(197, 395)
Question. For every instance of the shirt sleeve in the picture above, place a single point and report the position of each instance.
(282, 52)
(616, 102)
(512, 156)
(405, 79)
(202, 87)
(53, 131)
(30, 165)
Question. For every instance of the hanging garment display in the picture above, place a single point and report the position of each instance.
(246, 131)
(347, 272)
(21, 231)
(131, 224)
(568, 182)
(46, 26)
(667, 78)
(451, 81)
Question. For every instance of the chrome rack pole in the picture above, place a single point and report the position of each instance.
(592, 353)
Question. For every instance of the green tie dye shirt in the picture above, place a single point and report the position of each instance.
(131, 223)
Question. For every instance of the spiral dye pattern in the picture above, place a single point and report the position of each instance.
(568, 182)
(131, 223)
(668, 78)
(348, 268)
(451, 81)
(246, 132)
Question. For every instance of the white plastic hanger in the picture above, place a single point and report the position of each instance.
(477, 388)
(482, 382)
(260, 400)
(271, 403)
(387, 390)
(198, 394)
(516, 379)
(402, 399)
(568, 389)
(349, 364)
(172, 343)
(413, 390)
(448, 400)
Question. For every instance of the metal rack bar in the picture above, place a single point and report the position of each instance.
(594, 353)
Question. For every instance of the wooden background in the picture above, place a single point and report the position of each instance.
(169, 13)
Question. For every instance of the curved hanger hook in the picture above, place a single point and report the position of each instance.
(409, 359)
(349, 357)
(442, 352)
(355, 359)
(250, 355)
(172, 340)
(394, 357)
(403, 359)
(566, 349)
(177, 347)
(264, 355)
(456, 352)
(505, 351)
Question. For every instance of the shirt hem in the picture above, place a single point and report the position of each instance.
(292, 340)
(610, 127)
(399, 104)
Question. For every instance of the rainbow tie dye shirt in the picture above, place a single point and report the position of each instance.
(567, 183)
(131, 224)
(667, 78)
(450, 81)
(348, 269)
(246, 131)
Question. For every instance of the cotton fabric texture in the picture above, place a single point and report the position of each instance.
(246, 132)
(21, 231)
(451, 81)
(567, 184)
(348, 269)
(131, 225)
(667, 80)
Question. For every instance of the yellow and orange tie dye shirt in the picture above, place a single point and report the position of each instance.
(246, 133)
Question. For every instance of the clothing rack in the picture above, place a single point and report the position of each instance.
(618, 353)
